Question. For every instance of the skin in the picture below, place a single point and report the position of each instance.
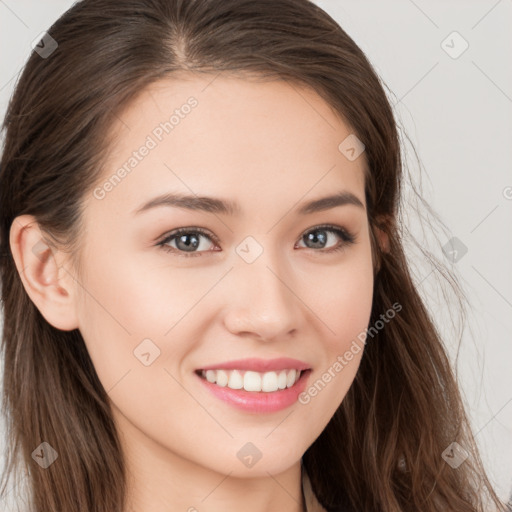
(271, 147)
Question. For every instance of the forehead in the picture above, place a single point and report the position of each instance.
(219, 135)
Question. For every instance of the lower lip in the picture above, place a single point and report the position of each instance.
(259, 401)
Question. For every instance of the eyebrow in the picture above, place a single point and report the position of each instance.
(221, 206)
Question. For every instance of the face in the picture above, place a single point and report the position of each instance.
(254, 274)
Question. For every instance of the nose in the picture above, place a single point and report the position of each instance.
(262, 302)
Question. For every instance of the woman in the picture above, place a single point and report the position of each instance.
(207, 303)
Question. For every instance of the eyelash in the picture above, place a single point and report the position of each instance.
(347, 239)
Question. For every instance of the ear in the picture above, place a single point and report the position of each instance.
(380, 241)
(48, 284)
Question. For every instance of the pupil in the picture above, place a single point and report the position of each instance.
(312, 237)
(189, 245)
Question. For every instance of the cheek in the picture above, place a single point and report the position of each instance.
(131, 307)
(344, 307)
(121, 307)
(137, 298)
(343, 300)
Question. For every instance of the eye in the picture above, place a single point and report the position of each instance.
(318, 239)
(188, 240)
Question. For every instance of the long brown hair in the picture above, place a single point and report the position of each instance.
(382, 449)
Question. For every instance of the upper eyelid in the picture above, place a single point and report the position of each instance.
(176, 232)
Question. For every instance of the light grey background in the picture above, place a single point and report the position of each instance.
(458, 114)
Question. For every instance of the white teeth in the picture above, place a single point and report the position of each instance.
(269, 382)
(281, 380)
(222, 378)
(236, 380)
(253, 381)
(290, 378)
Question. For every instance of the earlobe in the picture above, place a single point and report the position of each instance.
(382, 228)
(383, 240)
(380, 243)
(40, 267)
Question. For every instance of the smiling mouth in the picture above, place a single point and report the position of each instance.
(265, 382)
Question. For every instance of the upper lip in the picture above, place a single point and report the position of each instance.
(260, 365)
